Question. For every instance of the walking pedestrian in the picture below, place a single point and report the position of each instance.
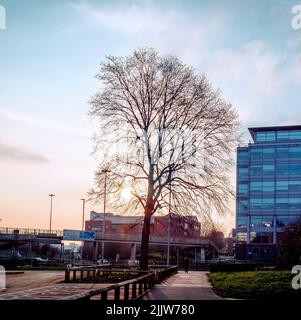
(186, 263)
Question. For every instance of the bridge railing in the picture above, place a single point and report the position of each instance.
(131, 237)
(37, 232)
(23, 232)
(130, 289)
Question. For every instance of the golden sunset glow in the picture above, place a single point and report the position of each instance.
(126, 194)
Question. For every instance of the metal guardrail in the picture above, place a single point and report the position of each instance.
(130, 289)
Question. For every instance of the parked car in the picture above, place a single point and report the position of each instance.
(38, 261)
(102, 261)
(133, 263)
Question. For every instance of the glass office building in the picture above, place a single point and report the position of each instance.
(268, 189)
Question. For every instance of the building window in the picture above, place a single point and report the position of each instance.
(294, 186)
(241, 237)
(281, 203)
(256, 154)
(268, 169)
(256, 170)
(282, 169)
(262, 221)
(283, 135)
(294, 169)
(243, 173)
(256, 186)
(268, 153)
(283, 221)
(261, 237)
(255, 203)
(295, 152)
(282, 185)
(282, 153)
(289, 135)
(268, 186)
(262, 186)
(243, 188)
(262, 203)
(243, 204)
(268, 136)
(242, 222)
(295, 135)
(243, 156)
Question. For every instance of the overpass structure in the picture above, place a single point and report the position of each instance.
(14, 237)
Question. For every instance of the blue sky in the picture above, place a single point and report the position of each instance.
(51, 50)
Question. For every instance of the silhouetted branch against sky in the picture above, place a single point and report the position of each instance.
(162, 126)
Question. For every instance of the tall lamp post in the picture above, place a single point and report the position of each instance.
(83, 227)
(168, 227)
(83, 217)
(51, 197)
(105, 172)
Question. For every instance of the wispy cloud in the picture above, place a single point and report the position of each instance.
(37, 121)
(252, 73)
(294, 42)
(253, 67)
(155, 24)
(14, 154)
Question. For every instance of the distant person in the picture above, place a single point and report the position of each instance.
(186, 263)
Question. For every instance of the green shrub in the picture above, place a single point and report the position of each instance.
(254, 285)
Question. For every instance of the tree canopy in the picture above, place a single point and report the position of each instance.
(165, 134)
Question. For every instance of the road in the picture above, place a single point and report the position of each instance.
(45, 285)
(31, 280)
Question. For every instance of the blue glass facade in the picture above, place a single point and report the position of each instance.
(268, 189)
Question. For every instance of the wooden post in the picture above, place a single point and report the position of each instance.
(74, 274)
(117, 293)
(104, 295)
(134, 293)
(67, 275)
(126, 292)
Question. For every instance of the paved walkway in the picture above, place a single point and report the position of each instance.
(193, 285)
(64, 291)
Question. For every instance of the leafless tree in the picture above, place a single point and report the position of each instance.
(166, 134)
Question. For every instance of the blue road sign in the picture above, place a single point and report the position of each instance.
(78, 235)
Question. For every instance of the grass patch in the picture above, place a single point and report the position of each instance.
(254, 284)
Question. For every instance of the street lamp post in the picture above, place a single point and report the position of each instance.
(51, 197)
(168, 227)
(105, 171)
(83, 217)
(83, 227)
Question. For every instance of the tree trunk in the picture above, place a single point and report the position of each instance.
(145, 239)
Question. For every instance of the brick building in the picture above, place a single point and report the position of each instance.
(180, 226)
